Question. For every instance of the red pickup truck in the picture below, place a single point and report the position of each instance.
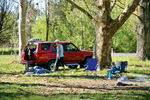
(44, 54)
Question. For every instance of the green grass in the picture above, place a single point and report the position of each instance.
(72, 85)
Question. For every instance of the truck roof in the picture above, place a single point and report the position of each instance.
(53, 42)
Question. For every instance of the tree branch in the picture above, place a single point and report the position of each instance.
(114, 2)
(121, 2)
(120, 20)
(124, 8)
(81, 9)
(88, 7)
(6, 28)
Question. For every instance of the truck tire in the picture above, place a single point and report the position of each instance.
(74, 66)
(50, 65)
(84, 62)
(81, 66)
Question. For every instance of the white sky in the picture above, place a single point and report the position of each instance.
(41, 4)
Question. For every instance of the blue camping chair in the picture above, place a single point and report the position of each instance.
(92, 66)
(121, 67)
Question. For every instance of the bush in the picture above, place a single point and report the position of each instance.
(8, 51)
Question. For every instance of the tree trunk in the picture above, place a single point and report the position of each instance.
(143, 31)
(103, 36)
(103, 47)
(52, 38)
(14, 40)
(22, 26)
(30, 30)
(82, 34)
(47, 12)
(47, 28)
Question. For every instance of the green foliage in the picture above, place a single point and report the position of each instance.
(39, 29)
(68, 24)
(8, 51)
(7, 29)
(125, 39)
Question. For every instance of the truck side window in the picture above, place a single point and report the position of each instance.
(71, 47)
(54, 48)
(65, 47)
(45, 46)
(33, 47)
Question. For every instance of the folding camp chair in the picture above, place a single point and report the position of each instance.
(92, 66)
(124, 66)
(120, 66)
(118, 69)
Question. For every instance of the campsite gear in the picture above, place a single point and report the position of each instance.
(92, 66)
(124, 66)
(120, 69)
(56, 61)
(39, 70)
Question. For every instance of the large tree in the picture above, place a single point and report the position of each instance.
(22, 26)
(105, 26)
(143, 31)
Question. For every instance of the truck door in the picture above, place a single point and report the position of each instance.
(72, 53)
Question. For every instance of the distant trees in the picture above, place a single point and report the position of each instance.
(6, 20)
(143, 31)
(31, 14)
(66, 24)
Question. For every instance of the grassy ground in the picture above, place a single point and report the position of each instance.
(72, 85)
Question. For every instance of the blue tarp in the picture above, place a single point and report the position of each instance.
(37, 70)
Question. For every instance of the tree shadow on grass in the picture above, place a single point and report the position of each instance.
(11, 73)
(108, 95)
(76, 96)
(144, 72)
(72, 76)
(108, 92)
(67, 85)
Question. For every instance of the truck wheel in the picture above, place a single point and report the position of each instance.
(74, 66)
(50, 65)
(81, 66)
(84, 62)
